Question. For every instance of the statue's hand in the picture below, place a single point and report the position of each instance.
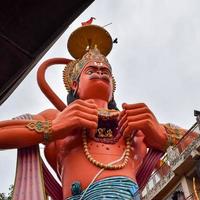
(136, 117)
(79, 114)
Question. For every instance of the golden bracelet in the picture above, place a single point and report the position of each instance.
(42, 127)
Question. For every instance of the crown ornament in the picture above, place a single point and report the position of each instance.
(87, 43)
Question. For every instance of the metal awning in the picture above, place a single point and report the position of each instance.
(28, 28)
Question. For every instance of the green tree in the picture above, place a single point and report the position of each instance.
(3, 196)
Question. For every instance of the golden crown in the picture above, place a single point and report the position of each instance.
(86, 44)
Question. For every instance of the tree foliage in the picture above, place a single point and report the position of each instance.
(3, 196)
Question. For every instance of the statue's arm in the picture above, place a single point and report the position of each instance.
(15, 134)
(55, 125)
(175, 135)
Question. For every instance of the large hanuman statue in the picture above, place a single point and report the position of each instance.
(97, 151)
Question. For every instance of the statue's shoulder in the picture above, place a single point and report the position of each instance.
(48, 114)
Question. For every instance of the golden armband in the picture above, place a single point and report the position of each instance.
(44, 127)
(174, 134)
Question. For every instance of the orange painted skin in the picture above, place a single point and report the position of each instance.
(65, 153)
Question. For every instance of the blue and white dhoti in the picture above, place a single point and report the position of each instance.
(118, 187)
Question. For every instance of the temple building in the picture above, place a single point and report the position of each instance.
(178, 177)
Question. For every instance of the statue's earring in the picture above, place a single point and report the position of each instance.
(75, 93)
(112, 97)
(76, 90)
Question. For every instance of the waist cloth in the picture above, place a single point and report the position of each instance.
(117, 187)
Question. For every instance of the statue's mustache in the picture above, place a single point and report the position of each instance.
(96, 76)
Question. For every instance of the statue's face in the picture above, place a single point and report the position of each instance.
(95, 82)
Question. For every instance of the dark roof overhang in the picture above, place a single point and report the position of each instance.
(28, 28)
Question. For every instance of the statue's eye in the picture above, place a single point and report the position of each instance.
(89, 72)
(107, 73)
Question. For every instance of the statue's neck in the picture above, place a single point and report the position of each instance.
(101, 103)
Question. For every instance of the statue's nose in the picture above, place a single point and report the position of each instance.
(99, 72)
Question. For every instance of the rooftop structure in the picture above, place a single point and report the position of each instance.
(179, 172)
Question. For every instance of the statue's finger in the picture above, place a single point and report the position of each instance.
(137, 111)
(140, 125)
(121, 114)
(88, 124)
(88, 103)
(133, 106)
(123, 127)
(127, 132)
(145, 116)
(78, 107)
(88, 116)
(122, 120)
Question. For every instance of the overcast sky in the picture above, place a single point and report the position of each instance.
(156, 61)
